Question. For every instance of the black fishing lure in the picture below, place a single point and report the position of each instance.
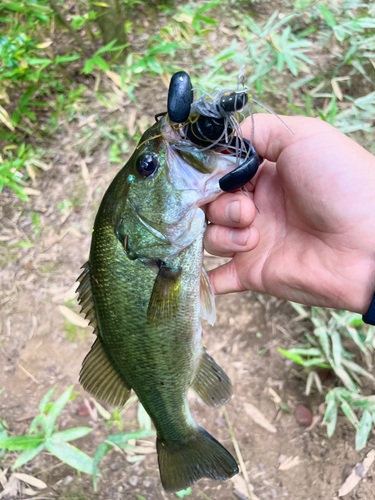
(211, 121)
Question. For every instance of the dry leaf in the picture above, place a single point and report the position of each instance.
(31, 191)
(132, 127)
(240, 485)
(289, 463)
(116, 79)
(352, 481)
(275, 397)
(40, 164)
(4, 117)
(31, 171)
(32, 481)
(259, 418)
(144, 450)
(45, 44)
(73, 317)
(29, 491)
(85, 172)
(336, 89)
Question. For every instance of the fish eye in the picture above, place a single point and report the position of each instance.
(147, 165)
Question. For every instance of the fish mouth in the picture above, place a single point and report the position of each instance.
(196, 170)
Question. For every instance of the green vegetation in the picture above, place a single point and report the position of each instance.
(325, 349)
(43, 434)
(312, 58)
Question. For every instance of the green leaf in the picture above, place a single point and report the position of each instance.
(183, 493)
(352, 417)
(56, 409)
(64, 59)
(357, 369)
(328, 16)
(280, 62)
(103, 448)
(38, 420)
(45, 399)
(36, 61)
(312, 351)
(121, 438)
(71, 456)
(208, 6)
(363, 431)
(336, 347)
(205, 19)
(71, 434)
(294, 357)
(292, 65)
(27, 455)
(154, 65)
(89, 66)
(101, 63)
(163, 48)
(330, 417)
(139, 497)
(15, 443)
(346, 379)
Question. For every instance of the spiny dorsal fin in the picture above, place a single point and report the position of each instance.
(211, 383)
(99, 377)
(85, 298)
(207, 299)
(165, 295)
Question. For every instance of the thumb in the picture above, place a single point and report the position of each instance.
(271, 136)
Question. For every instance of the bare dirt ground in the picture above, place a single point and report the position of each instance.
(39, 348)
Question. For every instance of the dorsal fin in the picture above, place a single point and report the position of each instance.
(207, 299)
(85, 298)
(99, 375)
(100, 378)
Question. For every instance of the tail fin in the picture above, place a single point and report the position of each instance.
(182, 464)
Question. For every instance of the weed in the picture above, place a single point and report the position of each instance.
(325, 350)
(44, 434)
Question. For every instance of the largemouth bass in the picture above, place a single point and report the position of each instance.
(144, 290)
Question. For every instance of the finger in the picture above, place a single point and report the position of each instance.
(224, 279)
(271, 137)
(232, 209)
(225, 242)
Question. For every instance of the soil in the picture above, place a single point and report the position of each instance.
(40, 348)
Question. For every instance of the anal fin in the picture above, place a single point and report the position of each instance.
(211, 383)
(100, 378)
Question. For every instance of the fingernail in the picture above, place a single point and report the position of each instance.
(233, 211)
(239, 236)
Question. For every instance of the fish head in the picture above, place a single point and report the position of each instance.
(168, 179)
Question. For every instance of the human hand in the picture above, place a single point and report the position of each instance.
(314, 239)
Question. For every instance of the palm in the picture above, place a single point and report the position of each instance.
(310, 222)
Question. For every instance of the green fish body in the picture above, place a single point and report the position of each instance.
(144, 290)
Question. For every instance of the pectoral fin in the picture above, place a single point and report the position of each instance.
(207, 299)
(211, 383)
(100, 378)
(165, 295)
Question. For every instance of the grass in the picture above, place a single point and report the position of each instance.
(339, 338)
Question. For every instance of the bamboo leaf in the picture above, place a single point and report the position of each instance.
(363, 430)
